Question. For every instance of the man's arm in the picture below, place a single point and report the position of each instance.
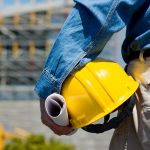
(87, 29)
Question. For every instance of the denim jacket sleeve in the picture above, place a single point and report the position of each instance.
(87, 29)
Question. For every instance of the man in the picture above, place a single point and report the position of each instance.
(89, 26)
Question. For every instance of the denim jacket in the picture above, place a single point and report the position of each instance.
(85, 32)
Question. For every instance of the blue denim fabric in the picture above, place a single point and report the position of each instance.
(87, 29)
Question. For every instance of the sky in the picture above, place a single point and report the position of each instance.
(10, 2)
(6, 6)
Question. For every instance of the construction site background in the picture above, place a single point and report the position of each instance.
(28, 29)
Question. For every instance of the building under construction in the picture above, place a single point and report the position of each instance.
(28, 29)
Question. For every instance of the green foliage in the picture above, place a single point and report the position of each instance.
(37, 142)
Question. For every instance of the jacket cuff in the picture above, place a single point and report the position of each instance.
(45, 85)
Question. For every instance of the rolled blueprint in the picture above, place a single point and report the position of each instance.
(56, 108)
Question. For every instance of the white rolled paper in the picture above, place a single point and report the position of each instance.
(56, 108)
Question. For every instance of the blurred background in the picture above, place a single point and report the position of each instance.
(28, 29)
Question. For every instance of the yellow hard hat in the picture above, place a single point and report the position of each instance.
(96, 90)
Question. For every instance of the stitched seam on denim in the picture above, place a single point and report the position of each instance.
(48, 76)
(58, 83)
(109, 16)
(104, 27)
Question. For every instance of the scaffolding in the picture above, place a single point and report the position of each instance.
(25, 41)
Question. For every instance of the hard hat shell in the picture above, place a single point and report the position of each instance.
(95, 90)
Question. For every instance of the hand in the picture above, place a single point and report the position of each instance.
(59, 130)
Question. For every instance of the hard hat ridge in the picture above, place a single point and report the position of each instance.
(94, 91)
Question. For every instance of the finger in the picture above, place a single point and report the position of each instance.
(56, 128)
(59, 130)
